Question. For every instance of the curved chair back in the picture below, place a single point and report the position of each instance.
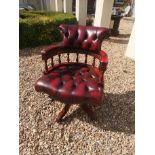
(83, 37)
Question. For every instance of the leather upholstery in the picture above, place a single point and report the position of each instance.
(82, 37)
(72, 83)
(75, 82)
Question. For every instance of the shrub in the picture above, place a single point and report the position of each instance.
(41, 28)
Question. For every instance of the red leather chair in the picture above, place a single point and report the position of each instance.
(75, 82)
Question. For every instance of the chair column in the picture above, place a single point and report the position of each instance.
(103, 13)
(41, 5)
(68, 6)
(81, 11)
(130, 51)
(52, 5)
(59, 5)
(48, 5)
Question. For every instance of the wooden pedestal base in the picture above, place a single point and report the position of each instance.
(85, 107)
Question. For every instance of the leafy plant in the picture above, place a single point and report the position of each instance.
(41, 28)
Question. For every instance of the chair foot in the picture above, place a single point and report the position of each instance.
(63, 113)
(89, 112)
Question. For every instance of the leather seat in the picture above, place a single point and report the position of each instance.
(72, 83)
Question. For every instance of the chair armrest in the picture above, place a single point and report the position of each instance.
(49, 50)
(103, 60)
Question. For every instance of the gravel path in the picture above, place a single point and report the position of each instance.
(112, 134)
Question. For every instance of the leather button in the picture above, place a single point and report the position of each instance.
(86, 36)
(61, 83)
(81, 73)
(83, 80)
(66, 34)
(89, 45)
(76, 35)
(92, 76)
(94, 37)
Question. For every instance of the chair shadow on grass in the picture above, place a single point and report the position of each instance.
(117, 113)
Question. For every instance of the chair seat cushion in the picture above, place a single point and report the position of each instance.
(72, 83)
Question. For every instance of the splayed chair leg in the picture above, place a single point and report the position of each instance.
(88, 110)
(63, 112)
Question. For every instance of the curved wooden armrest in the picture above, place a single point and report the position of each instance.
(104, 57)
(47, 51)
(103, 60)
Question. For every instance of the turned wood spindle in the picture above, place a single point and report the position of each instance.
(52, 63)
(86, 58)
(77, 58)
(93, 61)
(46, 67)
(59, 58)
(68, 57)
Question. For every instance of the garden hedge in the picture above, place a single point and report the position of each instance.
(41, 28)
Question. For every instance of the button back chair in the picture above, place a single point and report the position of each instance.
(75, 82)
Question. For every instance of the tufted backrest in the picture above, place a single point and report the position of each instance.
(83, 37)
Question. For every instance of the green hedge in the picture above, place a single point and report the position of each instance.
(41, 28)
